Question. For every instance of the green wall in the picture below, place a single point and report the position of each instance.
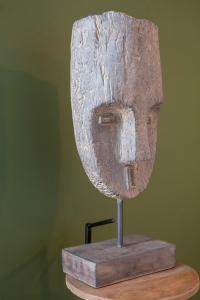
(45, 197)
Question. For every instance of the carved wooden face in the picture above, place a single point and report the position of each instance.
(116, 92)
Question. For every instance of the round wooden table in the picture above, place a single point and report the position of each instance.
(179, 283)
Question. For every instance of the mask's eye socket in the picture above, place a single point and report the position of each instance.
(106, 119)
(154, 109)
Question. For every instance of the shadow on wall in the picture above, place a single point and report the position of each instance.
(29, 183)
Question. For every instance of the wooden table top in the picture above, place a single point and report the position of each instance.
(179, 283)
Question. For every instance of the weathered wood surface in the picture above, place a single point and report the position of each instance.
(116, 91)
(179, 283)
(103, 263)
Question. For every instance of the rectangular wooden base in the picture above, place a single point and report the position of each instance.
(103, 263)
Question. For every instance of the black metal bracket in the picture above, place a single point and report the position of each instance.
(89, 226)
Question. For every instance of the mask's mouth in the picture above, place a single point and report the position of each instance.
(130, 171)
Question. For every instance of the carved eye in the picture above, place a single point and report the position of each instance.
(154, 109)
(149, 120)
(106, 119)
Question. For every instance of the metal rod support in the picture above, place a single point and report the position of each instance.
(119, 223)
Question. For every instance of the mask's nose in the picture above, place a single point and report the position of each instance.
(127, 138)
(131, 146)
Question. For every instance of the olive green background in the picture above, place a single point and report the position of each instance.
(45, 196)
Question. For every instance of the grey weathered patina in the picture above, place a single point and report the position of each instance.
(116, 91)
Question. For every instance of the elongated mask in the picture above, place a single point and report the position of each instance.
(116, 92)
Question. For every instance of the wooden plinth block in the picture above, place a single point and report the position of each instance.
(103, 263)
(179, 283)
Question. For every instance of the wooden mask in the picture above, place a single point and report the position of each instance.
(116, 92)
